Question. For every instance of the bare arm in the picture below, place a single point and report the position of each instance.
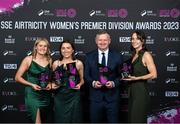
(54, 66)
(147, 61)
(80, 68)
(22, 69)
(20, 72)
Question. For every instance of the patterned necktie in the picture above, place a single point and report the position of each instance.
(103, 62)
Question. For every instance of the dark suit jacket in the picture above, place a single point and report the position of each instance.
(92, 74)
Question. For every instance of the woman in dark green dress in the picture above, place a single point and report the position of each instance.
(68, 77)
(143, 70)
(37, 70)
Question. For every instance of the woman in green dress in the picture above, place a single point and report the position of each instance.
(36, 70)
(68, 79)
(143, 70)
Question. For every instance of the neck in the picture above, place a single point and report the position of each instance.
(137, 50)
(39, 56)
(103, 50)
(67, 60)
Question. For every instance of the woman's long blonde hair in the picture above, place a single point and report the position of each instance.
(48, 53)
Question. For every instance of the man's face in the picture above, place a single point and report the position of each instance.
(103, 41)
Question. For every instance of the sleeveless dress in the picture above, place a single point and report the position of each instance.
(67, 104)
(35, 100)
(138, 93)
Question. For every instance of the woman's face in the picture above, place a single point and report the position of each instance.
(136, 42)
(66, 50)
(41, 47)
(103, 41)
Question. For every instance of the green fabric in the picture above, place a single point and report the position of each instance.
(35, 100)
(67, 104)
(138, 93)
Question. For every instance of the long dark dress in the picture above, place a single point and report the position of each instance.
(138, 94)
(35, 100)
(67, 104)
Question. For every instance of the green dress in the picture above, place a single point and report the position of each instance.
(138, 94)
(67, 104)
(35, 100)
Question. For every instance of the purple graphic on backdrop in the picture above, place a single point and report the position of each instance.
(117, 13)
(174, 13)
(66, 12)
(123, 13)
(169, 114)
(7, 6)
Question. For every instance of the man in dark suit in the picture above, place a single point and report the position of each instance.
(104, 97)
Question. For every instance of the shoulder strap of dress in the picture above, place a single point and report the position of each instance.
(31, 59)
(76, 60)
(59, 62)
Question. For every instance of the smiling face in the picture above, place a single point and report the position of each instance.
(136, 42)
(66, 50)
(103, 41)
(41, 47)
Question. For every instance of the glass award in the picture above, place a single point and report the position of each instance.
(126, 68)
(71, 68)
(104, 73)
(43, 80)
(72, 81)
(58, 77)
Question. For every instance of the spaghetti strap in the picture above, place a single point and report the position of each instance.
(59, 62)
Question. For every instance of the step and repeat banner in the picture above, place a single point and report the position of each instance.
(23, 21)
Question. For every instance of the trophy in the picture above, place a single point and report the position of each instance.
(126, 68)
(71, 67)
(43, 80)
(72, 81)
(103, 74)
(58, 78)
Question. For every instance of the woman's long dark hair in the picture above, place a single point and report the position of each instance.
(141, 36)
(72, 45)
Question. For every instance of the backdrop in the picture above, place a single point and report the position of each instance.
(23, 21)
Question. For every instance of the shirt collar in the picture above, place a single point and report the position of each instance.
(105, 52)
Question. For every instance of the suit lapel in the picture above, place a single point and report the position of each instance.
(109, 59)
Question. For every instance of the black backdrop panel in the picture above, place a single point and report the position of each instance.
(23, 21)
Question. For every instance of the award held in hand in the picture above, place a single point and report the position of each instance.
(43, 80)
(73, 80)
(104, 72)
(126, 68)
(58, 77)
